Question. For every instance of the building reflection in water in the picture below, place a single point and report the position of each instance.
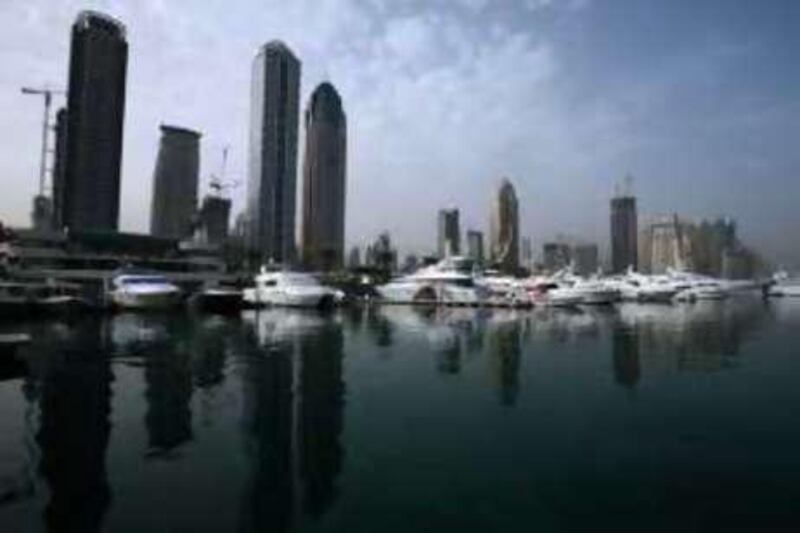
(158, 339)
(293, 419)
(74, 387)
(379, 327)
(703, 337)
(504, 352)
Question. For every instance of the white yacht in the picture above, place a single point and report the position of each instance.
(693, 287)
(636, 287)
(784, 285)
(290, 289)
(448, 282)
(143, 291)
(548, 293)
(592, 291)
(504, 291)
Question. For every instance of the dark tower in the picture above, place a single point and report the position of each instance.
(272, 179)
(96, 107)
(324, 180)
(624, 234)
(174, 201)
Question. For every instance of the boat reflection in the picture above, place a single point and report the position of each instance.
(293, 418)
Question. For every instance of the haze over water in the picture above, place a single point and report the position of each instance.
(640, 418)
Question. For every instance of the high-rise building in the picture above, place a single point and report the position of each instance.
(527, 252)
(324, 180)
(504, 228)
(95, 114)
(272, 175)
(449, 236)
(585, 257)
(475, 246)
(59, 167)
(556, 255)
(667, 244)
(354, 260)
(174, 201)
(624, 233)
(213, 220)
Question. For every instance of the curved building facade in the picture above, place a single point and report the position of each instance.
(324, 180)
(174, 201)
(272, 158)
(504, 228)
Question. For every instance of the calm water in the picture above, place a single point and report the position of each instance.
(641, 418)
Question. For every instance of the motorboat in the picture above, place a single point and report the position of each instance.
(504, 291)
(24, 298)
(703, 290)
(548, 293)
(217, 298)
(143, 292)
(592, 291)
(784, 285)
(649, 288)
(449, 282)
(290, 289)
(693, 287)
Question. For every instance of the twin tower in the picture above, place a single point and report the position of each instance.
(272, 166)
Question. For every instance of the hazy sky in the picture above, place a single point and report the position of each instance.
(698, 100)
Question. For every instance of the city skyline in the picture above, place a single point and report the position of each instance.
(564, 147)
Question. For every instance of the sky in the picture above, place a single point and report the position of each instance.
(699, 101)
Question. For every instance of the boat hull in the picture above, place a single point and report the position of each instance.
(217, 302)
(137, 301)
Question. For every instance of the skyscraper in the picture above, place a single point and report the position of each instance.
(475, 246)
(324, 180)
(504, 228)
(449, 239)
(624, 233)
(174, 201)
(213, 219)
(96, 108)
(272, 180)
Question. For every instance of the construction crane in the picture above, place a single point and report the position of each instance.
(218, 183)
(47, 93)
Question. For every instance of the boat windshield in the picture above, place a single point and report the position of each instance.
(303, 280)
(143, 280)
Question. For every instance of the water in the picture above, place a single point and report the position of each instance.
(641, 418)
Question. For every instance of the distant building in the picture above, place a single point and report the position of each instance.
(504, 228)
(666, 244)
(527, 252)
(59, 167)
(272, 176)
(324, 180)
(475, 246)
(212, 220)
(96, 108)
(449, 233)
(624, 234)
(354, 259)
(42, 214)
(381, 255)
(585, 258)
(410, 264)
(556, 255)
(174, 200)
(711, 240)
